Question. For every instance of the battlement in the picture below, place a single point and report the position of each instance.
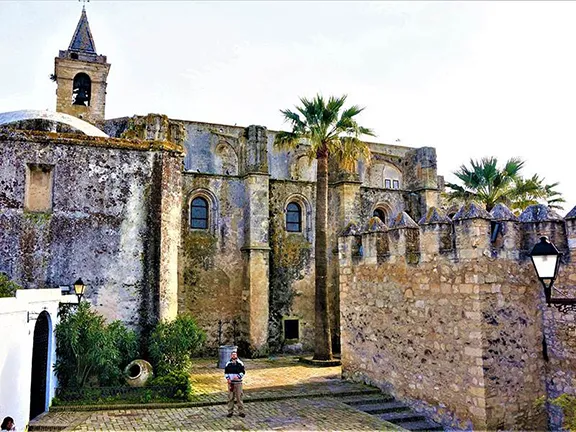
(472, 233)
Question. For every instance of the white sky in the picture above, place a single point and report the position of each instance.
(472, 79)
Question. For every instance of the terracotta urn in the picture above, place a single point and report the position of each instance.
(137, 373)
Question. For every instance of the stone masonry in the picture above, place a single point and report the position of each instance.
(439, 315)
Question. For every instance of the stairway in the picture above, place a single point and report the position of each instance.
(387, 408)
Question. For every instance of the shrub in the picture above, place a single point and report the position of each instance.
(91, 352)
(172, 345)
(7, 287)
(177, 385)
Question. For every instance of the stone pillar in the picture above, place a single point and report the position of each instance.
(537, 221)
(505, 234)
(472, 232)
(571, 229)
(421, 181)
(170, 230)
(435, 235)
(256, 248)
(343, 199)
(374, 241)
(404, 239)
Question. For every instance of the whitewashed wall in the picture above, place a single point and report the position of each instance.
(16, 340)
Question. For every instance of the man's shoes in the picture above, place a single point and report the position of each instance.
(242, 415)
(229, 415)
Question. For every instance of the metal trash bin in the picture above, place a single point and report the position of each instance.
(224, 352)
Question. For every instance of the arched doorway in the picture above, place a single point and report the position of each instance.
(39, 365)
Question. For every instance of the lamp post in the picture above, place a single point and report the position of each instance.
(546, 260)
(79, 288)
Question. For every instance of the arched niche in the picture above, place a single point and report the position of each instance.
(81, 90)
(226, 159)
(301, 169)
(384, 175)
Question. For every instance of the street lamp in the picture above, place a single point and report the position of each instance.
(546, 260)
(79, 288)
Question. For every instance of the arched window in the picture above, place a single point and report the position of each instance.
(81, 90)
(199, 213)
(293, 218)
(380, 214)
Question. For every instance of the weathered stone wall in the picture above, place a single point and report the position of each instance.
(292, 265)
(99, 226)
(453, 323)
(210, 267)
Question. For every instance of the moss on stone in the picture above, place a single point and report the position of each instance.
(291, 254)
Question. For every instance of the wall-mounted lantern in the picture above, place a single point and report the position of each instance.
(546, 260)
(79, 289)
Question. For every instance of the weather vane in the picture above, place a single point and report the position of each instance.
(84, 3)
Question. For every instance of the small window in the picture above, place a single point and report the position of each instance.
(291, 329)
(379, 213)
(199, 213)
(387, 183)
(38, 193)
(395, 184)
(293, 218)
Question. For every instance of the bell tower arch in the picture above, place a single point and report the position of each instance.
(81, 74)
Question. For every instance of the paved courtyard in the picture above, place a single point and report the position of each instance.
(280, 394)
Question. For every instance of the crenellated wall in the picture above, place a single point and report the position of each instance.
(449, 315)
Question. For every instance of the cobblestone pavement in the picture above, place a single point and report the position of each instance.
(325, 414)
(281, 394)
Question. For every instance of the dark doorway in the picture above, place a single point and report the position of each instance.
(39, 365)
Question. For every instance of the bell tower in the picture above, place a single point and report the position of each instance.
(80, 74)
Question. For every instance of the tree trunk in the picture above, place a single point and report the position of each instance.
(322, 338)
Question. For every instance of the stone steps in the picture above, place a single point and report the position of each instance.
(423, 425)
(386, 408)
(381, 408)
(366, 399)
(401, 416)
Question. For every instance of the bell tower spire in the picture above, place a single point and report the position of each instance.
(80, 74)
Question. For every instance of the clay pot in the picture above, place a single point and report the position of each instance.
(137, 373)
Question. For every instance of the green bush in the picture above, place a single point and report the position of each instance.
(90, 352)
(7, 287)
(179, 381)
(172, 345)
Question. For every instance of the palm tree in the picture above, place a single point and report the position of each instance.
(489, 185)
(332, 133)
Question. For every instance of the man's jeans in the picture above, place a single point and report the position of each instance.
(236, 393)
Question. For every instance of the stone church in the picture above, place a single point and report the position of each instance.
(161, 216)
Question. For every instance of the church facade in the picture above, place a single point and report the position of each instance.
(169, 216)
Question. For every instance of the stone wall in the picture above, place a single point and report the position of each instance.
(210, 271)
(292, 265)
(442, 317)
(105, 225)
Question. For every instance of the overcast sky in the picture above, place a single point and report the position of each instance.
(472, 79)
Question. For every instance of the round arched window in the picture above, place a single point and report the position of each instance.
(293, 217)
(199, 213)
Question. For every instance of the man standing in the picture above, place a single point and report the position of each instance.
(234, 372)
